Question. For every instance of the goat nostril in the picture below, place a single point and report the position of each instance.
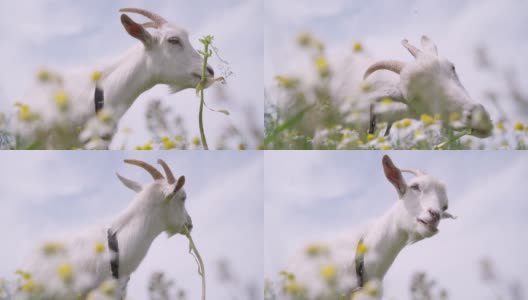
(434, 214)
(210, 70)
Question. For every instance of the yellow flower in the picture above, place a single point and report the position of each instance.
(241, 147)
(454, 116)
(398, 125)
(24, 113)
(96, 76)
(361, 248)
(314, 250)
(358, 47)
(406, 123)
(178, 138)
(29, 286)
(287, 83)
(25, 275)
(322, 66)
(293, 288)
(371, 288)
(329, 273)
(518, 126)
(385, 147)
(107, 288)
(365, 87)
(196, 141)
(62, 100)
(65, 272)
(261, 147)
(417, 132)
(99, 248)
(500, 125)
(381, 139)
(167, 143)
(147, 146)
(370, 137)
(360, 142)
(52, 248)
(387, 100)
(44, 76)
(427, 119)
(287, 275)
(104, 116)
(304, 39)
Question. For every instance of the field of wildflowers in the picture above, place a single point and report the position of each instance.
(421, 285)
(308, 114)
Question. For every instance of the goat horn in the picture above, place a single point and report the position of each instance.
(413, 171)
(158, 20)
(149, 25)
(414, 51)
(168, 172)
(391, 65)
(153, 172)
(179, 185)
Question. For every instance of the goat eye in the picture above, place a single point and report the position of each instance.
(444, 208)
(175, 41)
(415, 187)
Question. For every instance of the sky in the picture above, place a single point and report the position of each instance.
(457, 27)
(68, 36)
(317, 195)
(47, 194)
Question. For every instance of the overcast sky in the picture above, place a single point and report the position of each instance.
(315, 196)
(45, 194)
(68, 35)
(456, 26)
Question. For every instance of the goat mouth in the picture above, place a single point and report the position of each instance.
(199, 76)
(481, 133)
(431, 226)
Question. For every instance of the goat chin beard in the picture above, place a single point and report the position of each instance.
(172, 231)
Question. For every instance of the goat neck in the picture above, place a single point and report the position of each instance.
(384, 240)
(136, 229)
(125, 80)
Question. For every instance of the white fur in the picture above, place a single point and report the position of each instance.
(157, 207)
(384, 237)
(153, 61)
(429, 85)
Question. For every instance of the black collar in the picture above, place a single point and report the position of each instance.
(98, 99)
(360, 264)
(114, 253)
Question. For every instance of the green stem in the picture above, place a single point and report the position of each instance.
(200, 121)
(198, 258)
(206, 41)
(450, 140)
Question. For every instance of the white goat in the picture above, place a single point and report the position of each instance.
(71, 267)
(165, 56)
(427, 85)
(365, 254)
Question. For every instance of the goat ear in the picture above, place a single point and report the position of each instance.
(428, 45)
(394, 175)
(136, 30)
(179, 184)
(136, 187)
